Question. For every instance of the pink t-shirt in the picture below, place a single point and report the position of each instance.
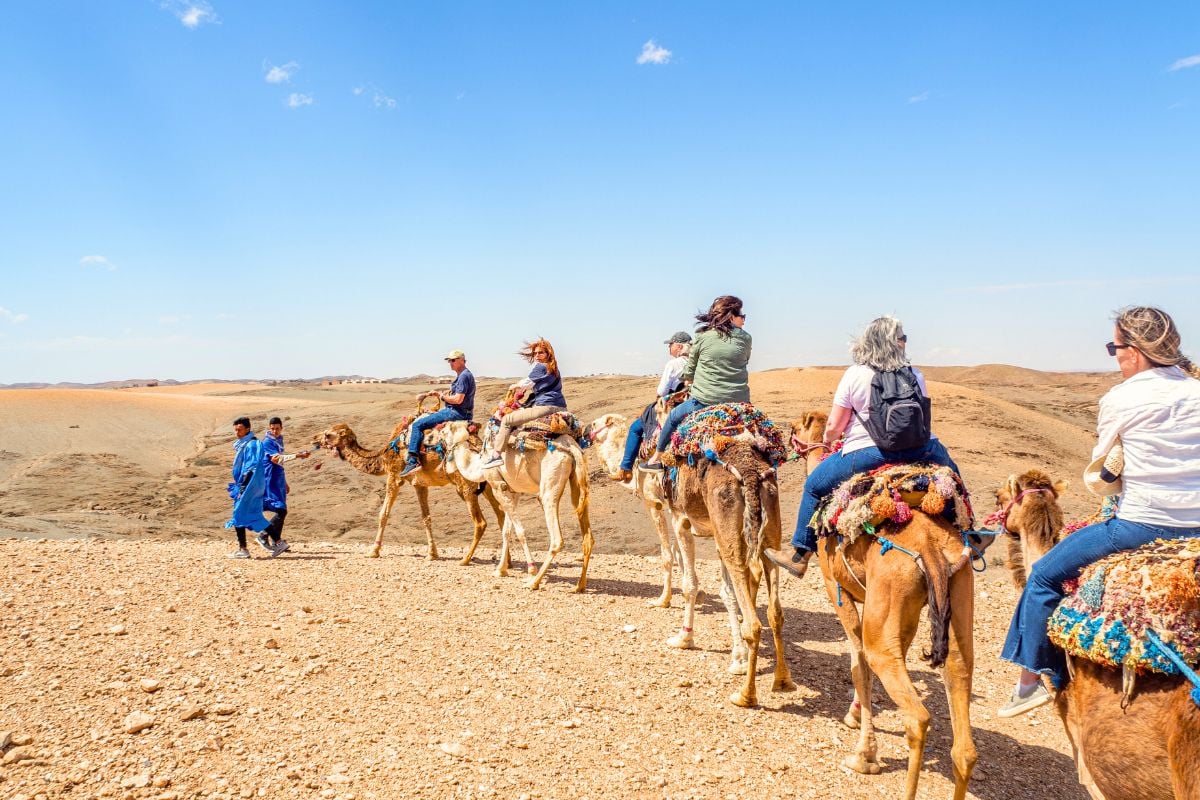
(854, 392)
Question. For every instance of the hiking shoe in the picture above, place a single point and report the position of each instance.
(263, 541)
(242, 553)
(410, 466)
(624, 476)
(651, 466)
(492, 461)
(796, 564)
(280, 547)
(1020, 703)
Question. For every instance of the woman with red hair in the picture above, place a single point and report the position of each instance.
(541, 394)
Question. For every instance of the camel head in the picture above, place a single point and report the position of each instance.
(1027, 507)
(808, 430)
(336, 438)
(608, 441)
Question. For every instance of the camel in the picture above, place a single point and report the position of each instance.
(543, 473)
(1146, 747)
(898, 587)
(608, 435)
(389, 461)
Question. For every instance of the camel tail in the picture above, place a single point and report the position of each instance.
(580, 491)
(752, 513)
(937, 581)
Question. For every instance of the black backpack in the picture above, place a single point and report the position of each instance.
(899, 418)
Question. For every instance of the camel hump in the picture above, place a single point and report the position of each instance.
(1120, 604)
(709, 431)
(889, 496)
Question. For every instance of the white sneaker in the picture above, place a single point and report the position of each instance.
(492, 461)
(1020, 703)
(242, 553)
(280, 547)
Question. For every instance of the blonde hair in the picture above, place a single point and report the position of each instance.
(1153, 332)
(878, 347)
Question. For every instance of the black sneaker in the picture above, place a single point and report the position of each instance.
(263, 541)
(651, 466)
(410, 466)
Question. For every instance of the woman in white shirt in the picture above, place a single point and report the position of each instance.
(882, 348)
(1155, 414)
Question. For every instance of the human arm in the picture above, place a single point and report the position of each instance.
(689, 370)
(839, 420)
(1108, 428)
(670, 377)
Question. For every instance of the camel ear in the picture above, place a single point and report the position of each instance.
(1011, 486)
(1060, 488)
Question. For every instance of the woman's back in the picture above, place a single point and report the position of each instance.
(717, 367)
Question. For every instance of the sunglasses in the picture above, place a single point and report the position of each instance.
(902, 338)
(1113, 347)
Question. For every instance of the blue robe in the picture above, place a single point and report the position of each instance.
(248, 501)
(275, 497)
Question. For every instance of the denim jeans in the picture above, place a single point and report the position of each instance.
(1027, 643)
(673, 419)
(416, 433)
(633, 443)
(841, 467)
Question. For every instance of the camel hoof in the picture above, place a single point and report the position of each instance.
(659, 602)
(373, 552)
(740, 700)
(784, 685)
(500, 572)
(580, 587)
(431, 557)
(466, 562)
(862, 765)
(851, 721)
(533, 584)
(682, 641)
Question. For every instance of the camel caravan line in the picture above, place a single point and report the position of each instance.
(891, 542)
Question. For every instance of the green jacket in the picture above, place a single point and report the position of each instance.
(717, 367)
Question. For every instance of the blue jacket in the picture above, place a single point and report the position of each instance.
(249, 484)
(275, 494)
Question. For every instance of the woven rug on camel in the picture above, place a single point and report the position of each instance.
(888, 495)
(707, 433)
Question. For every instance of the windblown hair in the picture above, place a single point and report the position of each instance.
(1152, 331)
(878, 347)
(538, 344)
(719, 316)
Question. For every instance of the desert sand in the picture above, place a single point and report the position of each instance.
(322, 673)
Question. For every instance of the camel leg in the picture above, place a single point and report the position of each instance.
(385, 511)
(691, 583)
(783, 676)
(956, 673)
(426, 521)
(658, 516)
(549, 499)
(739, 656)
(498, 511)
(479, 521)
(888, 629)
(585, 526)
(751, 634)
(507, 531)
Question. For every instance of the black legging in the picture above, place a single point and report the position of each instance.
(275, 526)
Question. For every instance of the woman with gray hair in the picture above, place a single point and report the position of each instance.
(1155, 415)
(880, 349)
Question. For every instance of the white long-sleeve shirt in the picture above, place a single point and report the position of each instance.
(672, 375)
(1156, 415)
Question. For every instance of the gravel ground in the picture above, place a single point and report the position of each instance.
(164, 670)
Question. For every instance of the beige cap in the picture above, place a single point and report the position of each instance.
(1103, 476)
(453, 354)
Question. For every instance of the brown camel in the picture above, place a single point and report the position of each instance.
(898, 587)
(737, 505)
(544, 473)
(1145, 747)
(390, 461)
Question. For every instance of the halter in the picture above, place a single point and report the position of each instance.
(1001, 517)
(802, 449)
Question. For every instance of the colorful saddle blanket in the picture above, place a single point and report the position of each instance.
(1109, 609)
(537, 433)
(888, 495)
(708, 432)
(433, 439)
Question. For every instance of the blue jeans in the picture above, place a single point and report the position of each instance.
(1027, 643)
(673, 419)
(416, 433)
(840, 467)
(633, 443)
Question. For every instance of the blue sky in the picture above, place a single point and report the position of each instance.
(282, 189)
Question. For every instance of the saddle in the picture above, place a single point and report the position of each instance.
(434, 438)
(708, 432)
(887, 496)
(1119, 606)
(539, 433)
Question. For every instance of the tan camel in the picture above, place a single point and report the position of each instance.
(737, 505)
(1143, 748)
(389, 462)
(608, 434)
(898, 588)
(543, 473)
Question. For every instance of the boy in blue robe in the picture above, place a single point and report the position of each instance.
(248, 486)
(277, 488)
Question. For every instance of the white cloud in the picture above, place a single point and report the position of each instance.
(919, 98)
(1184, 63)
(97, 261)
(298, 100)
(281, 73)
(379, 99)
(1180, 104)
(358, 90)
(12, 316)
(191, 13)
(652, 53)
